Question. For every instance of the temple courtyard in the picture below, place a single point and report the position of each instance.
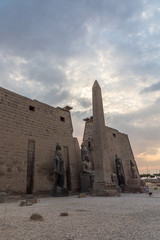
(131, 216)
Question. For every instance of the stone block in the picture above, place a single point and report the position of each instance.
(85, 183)
(36, 217)
(31, 201)
(63, 214)
(22, 203)
(105, 189)
(82, 195)
(28, 202)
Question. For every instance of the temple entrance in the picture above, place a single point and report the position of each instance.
(30, 166)
(68, 170)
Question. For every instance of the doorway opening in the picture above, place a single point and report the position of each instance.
(30, 166)
(68, 170)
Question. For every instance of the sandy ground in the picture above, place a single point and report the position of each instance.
(131, 216)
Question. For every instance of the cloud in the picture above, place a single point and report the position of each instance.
(142, 126)
(55, 26)
(153, 88)
(84, 102)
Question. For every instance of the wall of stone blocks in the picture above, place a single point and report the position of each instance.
(23, 120)
(117, 143)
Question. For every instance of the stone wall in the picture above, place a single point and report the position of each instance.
(117, 143)
(30, 129)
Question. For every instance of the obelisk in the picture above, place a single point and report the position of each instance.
(102, 182)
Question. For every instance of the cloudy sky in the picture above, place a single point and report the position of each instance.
(53, 51)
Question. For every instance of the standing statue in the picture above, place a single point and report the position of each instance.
(120, 172)
(134, 169)
(59, 167)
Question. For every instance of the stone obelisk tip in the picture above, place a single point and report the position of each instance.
(96, 84)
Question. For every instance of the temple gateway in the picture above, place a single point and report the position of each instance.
(38, 153)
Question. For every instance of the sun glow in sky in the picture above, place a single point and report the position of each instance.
(53, 51)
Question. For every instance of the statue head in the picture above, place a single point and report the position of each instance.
(58, 147)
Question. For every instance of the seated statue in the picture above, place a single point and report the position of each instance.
(87, 166)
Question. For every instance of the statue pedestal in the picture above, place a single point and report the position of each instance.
(105, 189)
(60, 192)
(134, 185)
(85, 182)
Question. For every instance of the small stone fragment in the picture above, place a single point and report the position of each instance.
(81, 195)
(31, 201)
(28, 202)
(36, 217)
(63, 214)
(22, 203)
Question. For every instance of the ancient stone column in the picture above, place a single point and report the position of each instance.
(102, 183)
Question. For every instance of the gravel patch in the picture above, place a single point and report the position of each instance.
(129, 217)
